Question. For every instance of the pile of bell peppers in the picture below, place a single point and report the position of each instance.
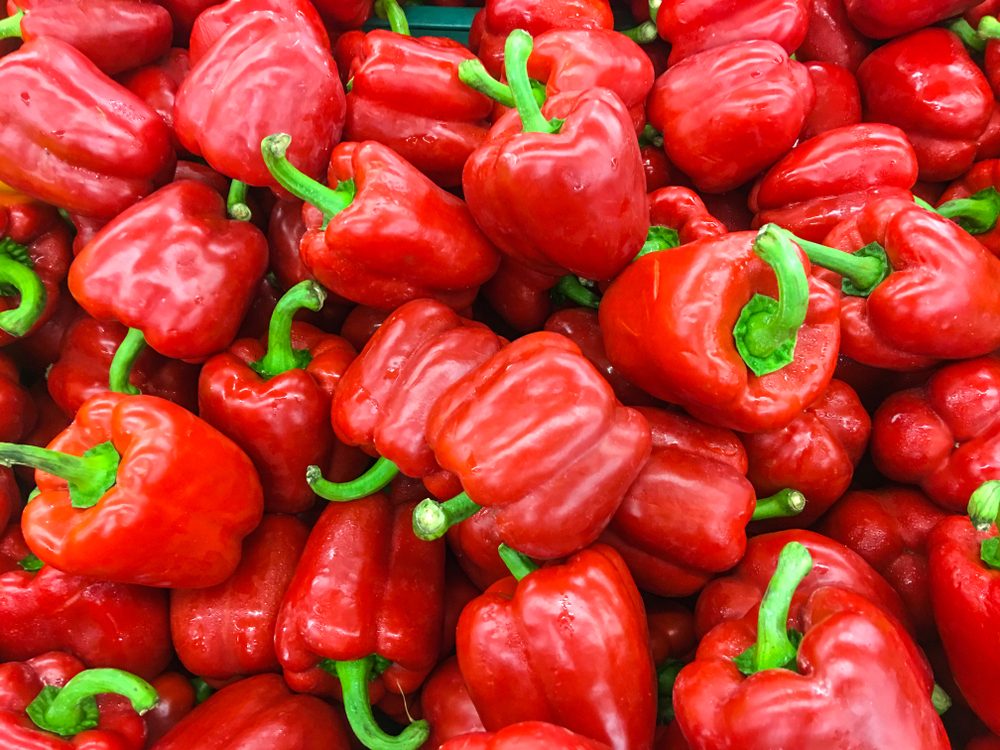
(625, 376)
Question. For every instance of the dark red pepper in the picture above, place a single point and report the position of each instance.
(982, 176)
(884, 19)
(525, 735)
(157, 85)
(447, 705)
(176, 700)
(838, 100)
(831, 38)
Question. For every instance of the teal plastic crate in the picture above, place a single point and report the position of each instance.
(433, 20)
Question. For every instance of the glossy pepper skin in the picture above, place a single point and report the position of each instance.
(525, 735)
(447, 705)
(103, 624)
(551, 484)
(831, 38)
(227, 630)
(342, 15)
(175, 267)
(595, 678)
(838, 100)
(927, 84)
(77, 164)
(213, 23)
(157, 84)
(176, 700)
(682, 210)
(982, 176)
(730, 112)
(889, 528)
(258, 713)
(183, 498)
(520, 295)
(815, 454)
(884, 20)
(833, 176)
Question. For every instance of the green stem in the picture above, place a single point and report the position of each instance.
(16, 271)
(644, 33)
(517, 50)
(474, 75)
(964, 31)
(11, 26)
(976, 214)
(72, 709)
(650, 136)
(782, 504)
(774, 649)
(127, 353)
(395, 15)
(354, 677)
(517, 563)
(940, 699)
(989, 27)
(202, 690)
(924, 204)
(767, 329)
(373, 480)
(281, 356)
(89, 476)
(659, 237)
(431, 519)
(330, 201)
(863, 270)
(989, 552)
(30, 563)
(984, 505)
(571, 288)
(666, 676)
(236, 202)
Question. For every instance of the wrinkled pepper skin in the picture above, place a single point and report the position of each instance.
(815, 454)
(831, 177)
(838, 100)
(883, 20)
(212, 24)
(927, 84)
(175, 267)
(103, 624)
(595, 678)
(831, 38)
(77, 164)
(985, 174)
(552, 484)
(526, 735)
(730, 112)
(889, 528)
(184, 498)
(258, 713)
(447, 705)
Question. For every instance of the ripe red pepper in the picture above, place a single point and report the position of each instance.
(213, 23)
(103, 624)
(525, 735)
(364, 609)
(174, 267)
(669, 321)
(982, 177)
(683, 211)
(176, 700)
(258, 712)
(838, 100)
(889, 528)
(158, 497)
(520, 295)
(184, 13)
(70, 130)
(157, 85)
(833, 176)
(730, 112)
(447, 705)
(831, 38)
(388, 234)
(552, 484)
(747, 674)
(18, 412)
(115, 35)
(573, 638)
(882, 19)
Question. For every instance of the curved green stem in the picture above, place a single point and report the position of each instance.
(782, 504)
(774, 649)
(924, 204)
(72, 709)
(474, 75)
(373, 480)
(976, 214)
(644, 33)
(572, 289)
(202, 690)
(281, 356)
(984, 505)
(11, 26)
(516, 52)
(89, 476)
(518, 563)
(16, 271)
(659, 237)
(863, 270)
(236, 202)
(129, 350)
(395, 15)
(431, 519)
(767, 329)
(989, 27)
(330, 202)
(964, 31)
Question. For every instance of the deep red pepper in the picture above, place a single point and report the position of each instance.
(157, 85)
(18, 412)
(474, 544)
(520, 295)
(831, 38)
(982, 176)
(176, 700)
(838, 100)
(671, 629)
(525, 735)
(213, 23)
(880, 19)
(342, 15)
(447, 705)
(184, 13)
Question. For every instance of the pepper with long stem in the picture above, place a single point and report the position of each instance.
(72, 709)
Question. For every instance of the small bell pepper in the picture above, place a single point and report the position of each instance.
(343, 15)
(260, 712)
(18, 412)
(388, 234)
(139, 490)
(815, 454)
(552, 477)
(520, 295)
(176, 700)
(157, 85)
(103, 624)
(174, 268)
(964, 198)
(52, 703)
(699, 326)
(525, 735)
(845, 675)
(730, 112)
(885, 19)
(573, 638)
(363, 613)
(447, 705)
(213, 22)
(474, 544)
(838, 100)
(70, 130)
(831, 38)
(683, 212)
(671, 629)
(227, 630)
(833, 176)
(889, 528)
(184, 13)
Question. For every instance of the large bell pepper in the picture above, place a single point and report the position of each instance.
(838, 100)
(831, 38)
(884, 19)
(213, 23)
(525, 735)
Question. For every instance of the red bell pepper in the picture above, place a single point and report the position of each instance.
(963, 201)
(831, 38)
(474, 544)
(103, 624)
(838, 100)
(815, 454)
(669, 322)
(683, 211)
(852, 675)
(730, 112)
(342, 15)
(447, 705)
(551, 482)
(927, 84)
(184, 13)
(213, 23)
(18, 412)
(79, 164)
(388, 234)
(889, 528)
(158, 497)
(671, 629)
(559, 189)
(525, 735)
(520, 295)
(52, 703)
(833, 176)
(176, 269)
(227, 630)
(176, 700)
(884, 19)
(258, 712)
(364, 610)
(573, 638)
(157, 85)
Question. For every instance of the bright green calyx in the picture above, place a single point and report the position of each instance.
(329, 201)
(17, 277)
(659, 237)
(984, 505)
(863, 270)
(431, 519)
(72, 709)
(281, 356)
(577, 290)
(89, 476)
(976, 214)
(519, 564)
